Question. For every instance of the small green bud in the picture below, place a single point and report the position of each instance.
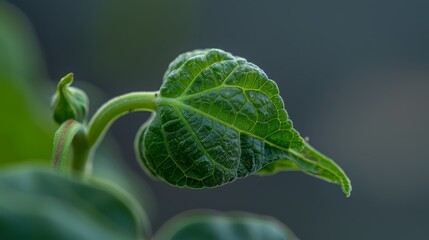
(69, 102)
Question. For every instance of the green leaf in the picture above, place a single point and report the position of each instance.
(219, 118)
(38, 204)
(26, 130)
(181, 59)
(277, 166)
(311, 162)
(217, 226)
(214, 117)
(20, 58)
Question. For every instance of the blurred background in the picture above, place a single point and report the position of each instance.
(354, 76)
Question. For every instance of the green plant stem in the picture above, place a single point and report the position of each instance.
(64, 138)
(81, 153)
(116, 107)
(85, 145)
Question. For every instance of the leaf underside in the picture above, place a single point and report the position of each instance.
(218, 118)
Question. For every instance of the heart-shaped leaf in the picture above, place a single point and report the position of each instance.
(219, 118)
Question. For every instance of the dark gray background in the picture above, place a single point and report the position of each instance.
(354, 76)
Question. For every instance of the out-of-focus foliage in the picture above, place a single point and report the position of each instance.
(20, 56)
(108, 165)
(39, 204)
(26, 124)
(26, 130)
(216, 226)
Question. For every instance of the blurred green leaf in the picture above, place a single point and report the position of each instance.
(22, 135)
(20, 57)
(38, 204)
(26, 131)
(26, 125)
(109, 164)
(216, 226)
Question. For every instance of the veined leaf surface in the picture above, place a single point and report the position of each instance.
(218, 118)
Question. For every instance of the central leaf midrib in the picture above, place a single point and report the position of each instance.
(175, 102)
(214, 89)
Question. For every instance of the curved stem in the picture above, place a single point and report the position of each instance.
(64, 137)
(116, 107)
(85, 141)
